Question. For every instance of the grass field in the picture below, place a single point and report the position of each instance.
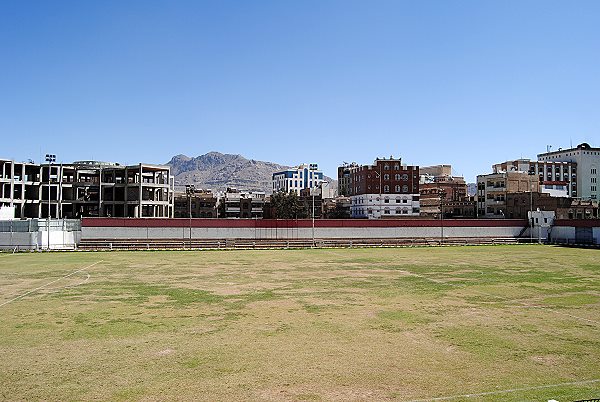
(513, 323)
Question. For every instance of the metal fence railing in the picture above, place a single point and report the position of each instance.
(35, 225)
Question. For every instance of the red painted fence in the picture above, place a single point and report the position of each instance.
(299, 223)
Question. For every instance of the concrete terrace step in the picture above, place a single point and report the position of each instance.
(141, 244)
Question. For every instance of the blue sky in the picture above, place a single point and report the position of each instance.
(469, 83)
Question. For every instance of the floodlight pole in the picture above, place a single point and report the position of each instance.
(313, 217)
(50, 158)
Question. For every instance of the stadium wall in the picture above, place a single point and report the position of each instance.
(139, 229)
(584, 231)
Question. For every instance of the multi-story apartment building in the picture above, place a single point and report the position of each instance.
(438, 189)
(587, 176)
(386, 189)
(344, 177)
(492, 190)
(298, 178)
(558, 178)
(200, 204)
(242, 204)
(86, 188)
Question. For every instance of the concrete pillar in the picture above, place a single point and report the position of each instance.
(59, 192)
(100, 203)
(141, 193)
(12, 183)
(125, 204)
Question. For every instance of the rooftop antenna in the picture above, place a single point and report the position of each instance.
(570, 142)
(548, 148)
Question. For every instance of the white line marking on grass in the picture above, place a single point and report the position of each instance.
(505, 391)
(49, 283)
(55, 290)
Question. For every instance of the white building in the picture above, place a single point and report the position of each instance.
(555, 189)
(376, 206)
(298, 178)
(588, 165)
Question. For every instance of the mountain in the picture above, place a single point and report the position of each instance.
(217, 171)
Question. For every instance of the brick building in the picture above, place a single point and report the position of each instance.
(519, 204)
(344, 178)
(385, 189)
(242, 204)
(201, 204)
(438, 188)
(580, 209)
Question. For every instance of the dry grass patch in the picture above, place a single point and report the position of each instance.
(360, 324)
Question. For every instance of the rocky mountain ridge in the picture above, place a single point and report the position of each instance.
(217, 171)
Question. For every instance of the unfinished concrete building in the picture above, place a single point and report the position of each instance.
(20, 187)
(86, 189)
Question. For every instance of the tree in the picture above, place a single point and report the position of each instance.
(287, 206)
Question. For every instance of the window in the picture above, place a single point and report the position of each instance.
(386, 189)
(386, 167)
(397, 176)
(398, 211)
(386, 200)
(397, 200)
(386, 176)
(405, 189)
(397, 188)
(396, 167)
(386, 211)
(405, 177)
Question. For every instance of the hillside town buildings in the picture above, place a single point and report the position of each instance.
(563, 181)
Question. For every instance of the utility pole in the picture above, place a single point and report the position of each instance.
(189, 191)
(313, 208)
(531, 208)
(442, 195)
